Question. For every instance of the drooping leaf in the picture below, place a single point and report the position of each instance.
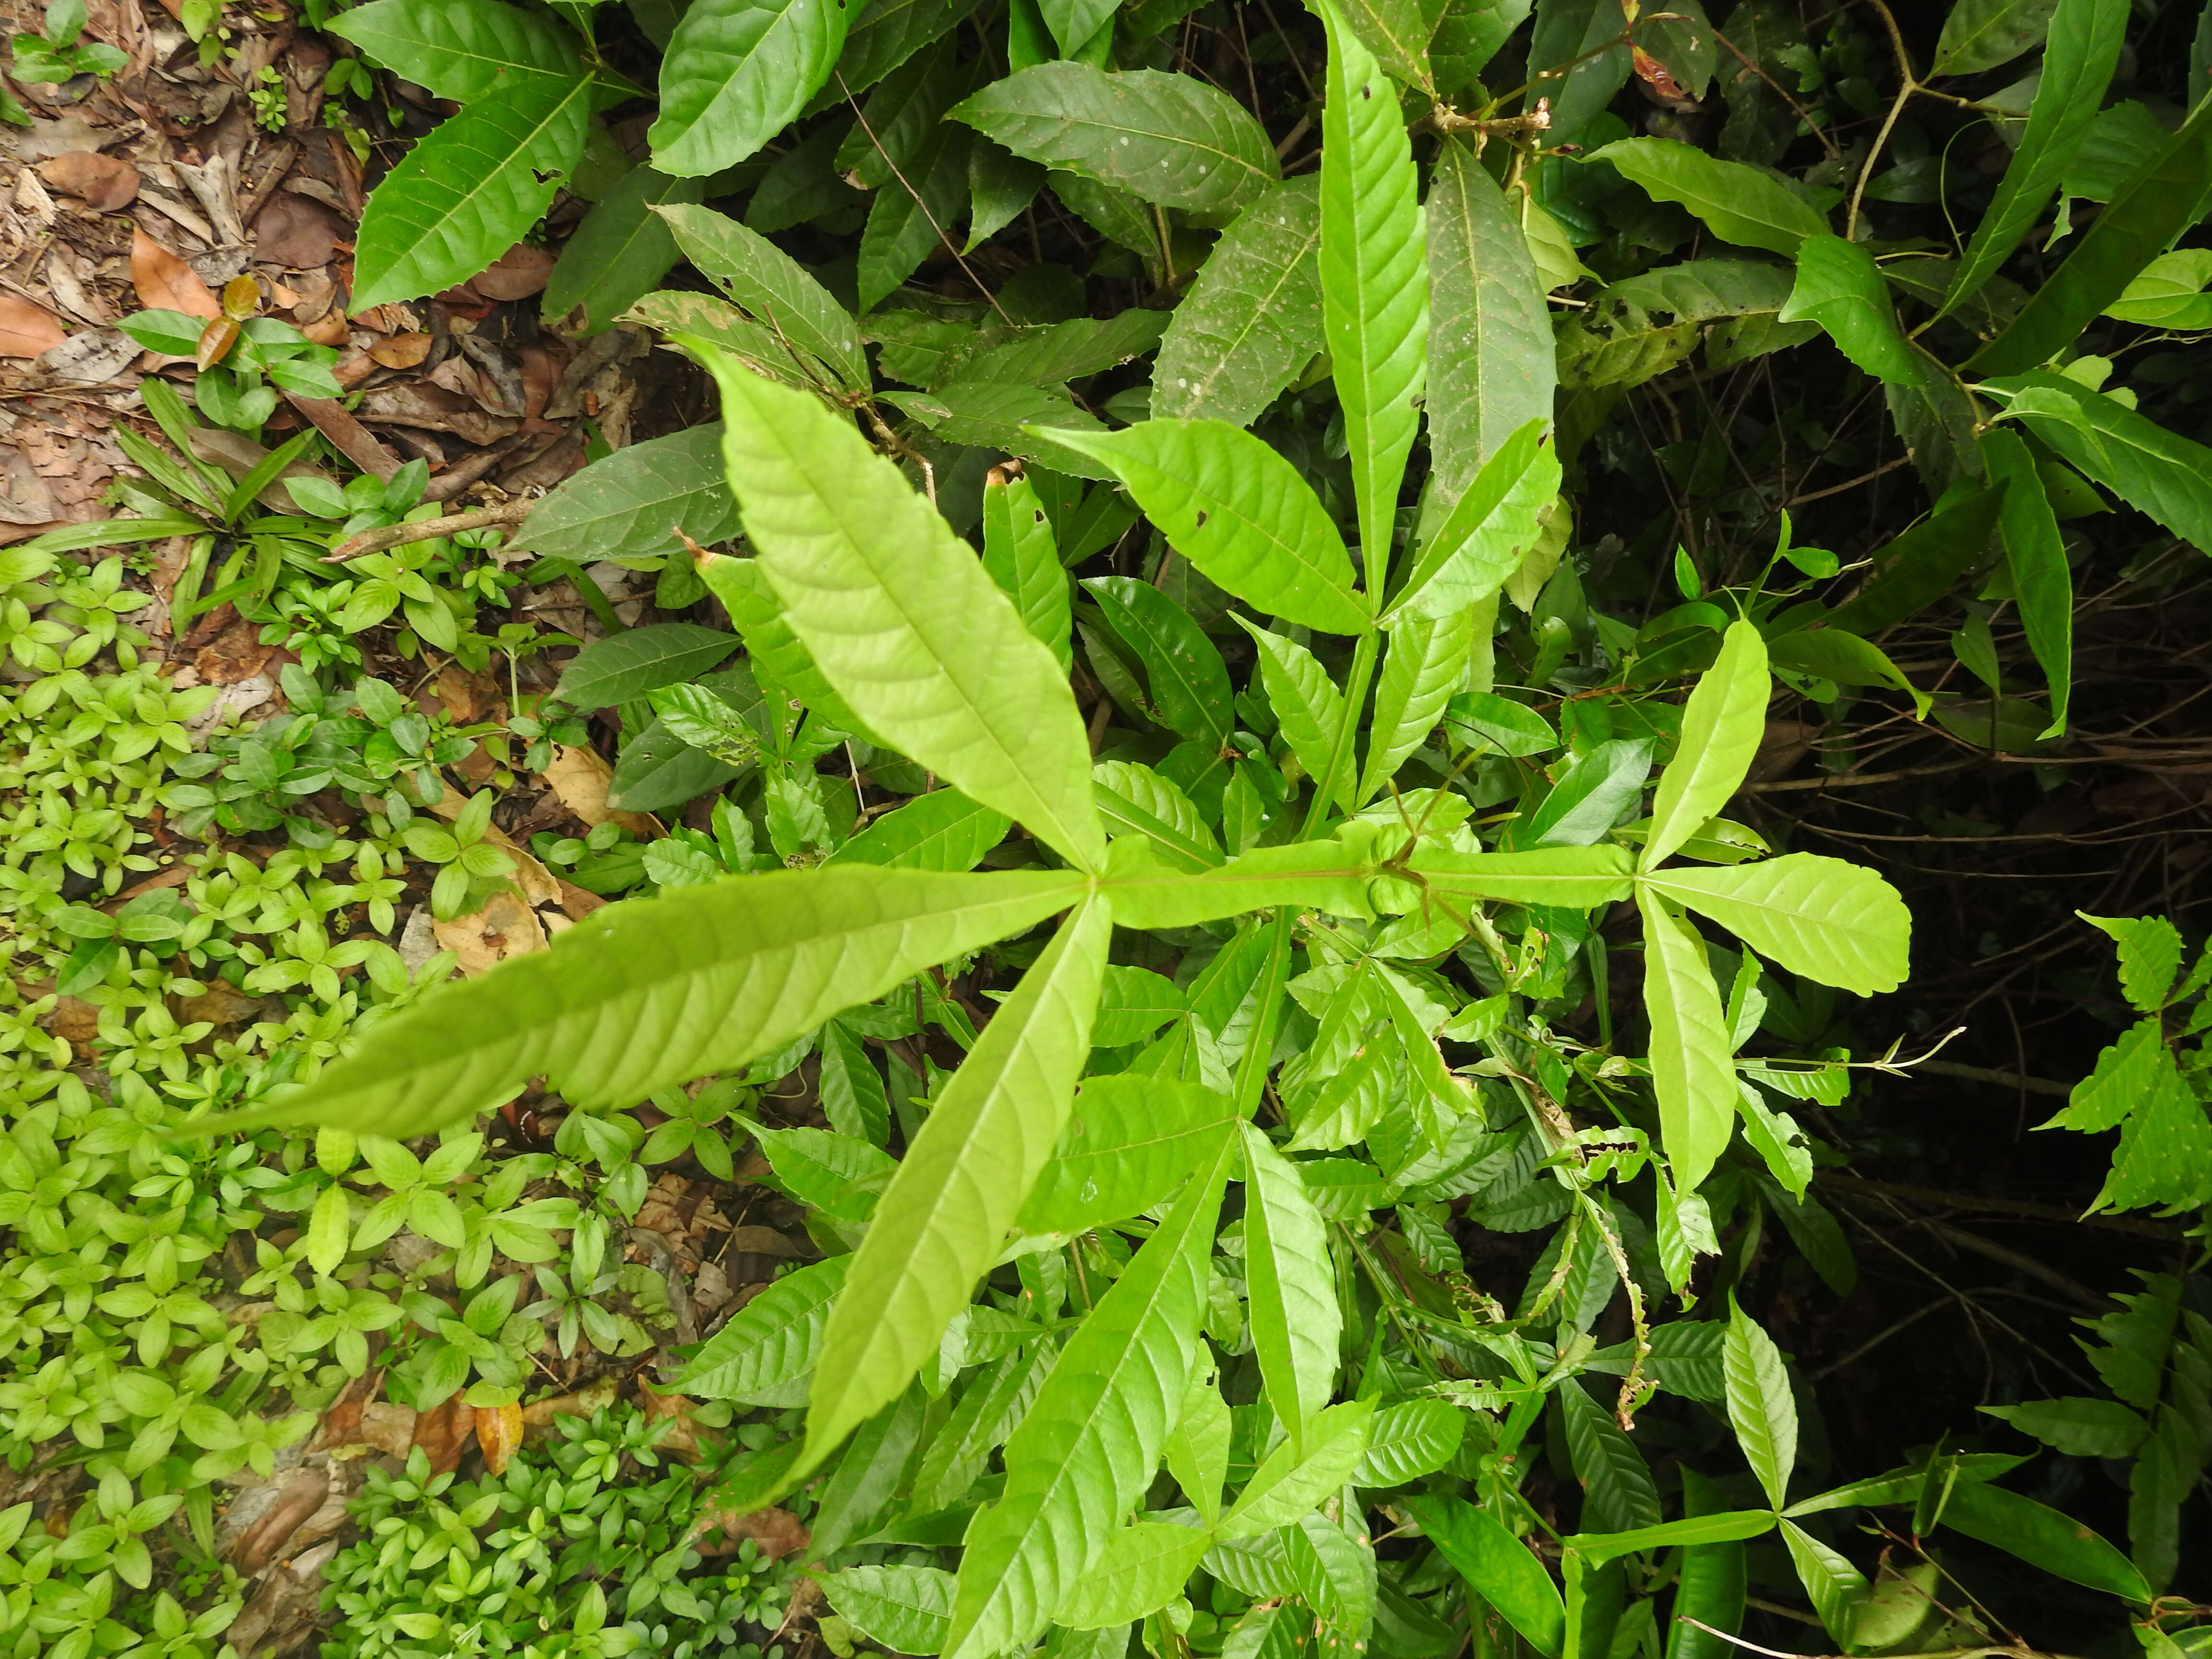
(1142, 1569)
(1022, 557)
(2157, 202)
(1170, 139)
(1723, 723)
(1025, 421)
(1497, 1566)
(1396, 34)
(884, 35)
(1427, 662)
(2035, 553)
(1293, 1310)
(1071, 351)
(1241, 513)
(620, 250)
(912, 216)
(737, 72)
(1691, 1073)
(1092, 1442)
(765, 1354)
(2044, 1538)
(2154, 470)
(1738, 204)
(463, 50)
(1709, 1591)
(1836, 923)
(1578, 48)
(770, 286)
(655, 992)
(1980, 34)
(631, 504)
(1761, 1406)
(1840, 288)
(2077, 1427)
(1493, 366)
(1374, 282)
(1131, 1142)
(471, 190)
(763, 350)
(2083, 48)
(1197, 1452)
(1252, 319)
(900, 617)
(962, 1181)
(1836, 1587)
(1916, 569)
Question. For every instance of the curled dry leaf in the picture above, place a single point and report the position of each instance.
(581, 778)
(401, 350)
(25, 331)
(165, 283)
(102, 183)
(517, 274)
(443, 1433)
(499, 1432)
(262, 1542)
(505, 927)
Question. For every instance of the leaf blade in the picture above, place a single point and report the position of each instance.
(1722, 725)
(1295, 1316)
(1836, 923)
(737, 73)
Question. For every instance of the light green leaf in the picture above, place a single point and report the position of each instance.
(737, 72)
(471, 190)
(1027, 421)
(1427, 662)
(329, 1231)
(1197, 1452)
(463, 50)
(962, 1181)
(1131, 1143)
(940, 830)
(901, 1610)
(1252, 319)
(772, 650)
(1305, 1468)
(1723, 723)
(1691, 1073)
(1136, 1002)
(1374, 282)
(1308, 706)
(1408, 1440)
(1836, 922)
(1761, 1406)
(2169, 292)
(1493, 366)
(1840, 288)
(994, 1401)
(2150, 955)
(765, 1354)
(1190, 682)
(631, 504)
(1142, 1569)
(2078, 1427)
(2085, 38)
(1239, 512)
(1497, 1567)
(1396, 32)
(654, 991)
(1485, 532)
(1169, 139)
(841, 1176)
(1135, 800)
(1591, 795)
(778, 292)
(1837, 1588)
(2159, 201)
(1091, 1444)
(2155, 470)
(1836, 654)
(900, 617)
(1738, 204)
(1293, 1310)
(1022, 557)
(1321, 875)
(1692, 1531)
(1980, 34)
(1575, 878)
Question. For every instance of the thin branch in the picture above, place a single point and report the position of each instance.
(399, 535)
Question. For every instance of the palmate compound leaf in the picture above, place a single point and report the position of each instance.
(1092, 1442)
(1231, 505)
(965, 1175)
(1722, 725)
(653, 991)
(900, 616)
(1374, 281)
(1836, 922)
(1293, 1311)
(471, 190)
(737, 72)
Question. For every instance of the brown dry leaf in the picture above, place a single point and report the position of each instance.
(264, 1541)
(25, 331)
(762, 1241)
(219, 1005)
(387, 1428)
(517, 274)
(588, 1401)
(328, 330)
(103, 183)
(443, 1433)
(165, 283)
(576, 903)
(498, 1432)
(401, 350)
(581, 778)
(505, 927)
(465, 696)
(777, 1533)
(296, 233)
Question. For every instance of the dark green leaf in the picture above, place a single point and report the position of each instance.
(638, 503)
(620, 251)
(736, 73)
(627, 666)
